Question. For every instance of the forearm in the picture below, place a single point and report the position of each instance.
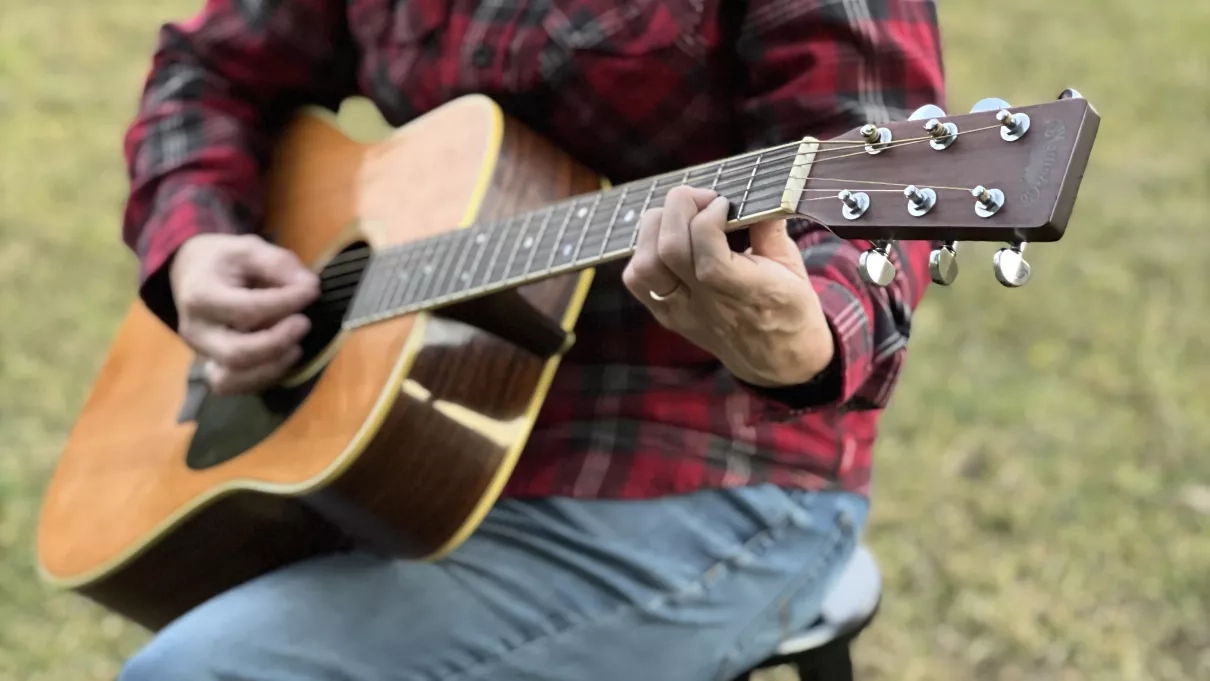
(820, 68)
(220, 87)
(869, 325)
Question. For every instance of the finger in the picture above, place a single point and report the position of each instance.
(646, 273)
(239, 351)
(674, 245)
(245, 309)
(227, 381)
(714, 263)
(770, 239)
(268, 265)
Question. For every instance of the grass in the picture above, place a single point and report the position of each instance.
(1042, 483)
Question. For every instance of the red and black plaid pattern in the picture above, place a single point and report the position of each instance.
(631, 87)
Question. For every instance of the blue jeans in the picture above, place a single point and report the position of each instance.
(683, 588)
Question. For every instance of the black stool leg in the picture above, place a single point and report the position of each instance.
(832, 662)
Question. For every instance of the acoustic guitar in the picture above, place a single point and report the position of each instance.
(453, 267)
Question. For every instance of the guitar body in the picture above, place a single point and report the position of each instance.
(150, 516)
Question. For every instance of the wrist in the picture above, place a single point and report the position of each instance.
(790, 361)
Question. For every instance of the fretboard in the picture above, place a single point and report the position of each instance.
(575, 234)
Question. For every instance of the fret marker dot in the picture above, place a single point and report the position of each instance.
(428, 268)
(582, 212)
(466, 276)
(527, 243)
(480, 238)
(567, 249)
(629, 216)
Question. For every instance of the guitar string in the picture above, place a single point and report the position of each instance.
(333, 297)
(332, 294)
(723, 170)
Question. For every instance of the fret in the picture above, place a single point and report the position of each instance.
(478, 243)
(530, 245)
(398, 271)
(585, 228)
(483, 243)
(416, 275)
(739, 212)
(501, 238)
(634, 236)
(375, 283)
(698, 176)
(774, 174)
(717, 174)
(565, 247)
(447, 266)
(613, 220)
(430, 270)
(553, 249)
(386, 272)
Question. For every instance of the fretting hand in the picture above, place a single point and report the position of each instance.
(755, 311)
(239, 299)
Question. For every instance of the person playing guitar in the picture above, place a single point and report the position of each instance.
(700, 470)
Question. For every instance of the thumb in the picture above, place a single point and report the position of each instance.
(770, 240)
(269, 265)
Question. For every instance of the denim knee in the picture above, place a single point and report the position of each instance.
(166, 658)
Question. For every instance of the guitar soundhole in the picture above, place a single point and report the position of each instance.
(229, 425)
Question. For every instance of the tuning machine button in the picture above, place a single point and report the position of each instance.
(855, 203)
(943, 263)
(1012, 270)
(920, 201)
(990, 104)
(876, 138)
(943, 134)
(1013, 126)
(927, 111)
(987, 201)
(875, 266)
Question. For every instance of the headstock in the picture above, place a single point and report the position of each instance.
(998, 173)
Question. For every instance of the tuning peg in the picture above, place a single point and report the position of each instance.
(855, 203)
(990, 104)
(1010, 265)
(987, 201)
(943, 134)
(920, 201)
(943, 263)
(876, 138)
(927, 111)
(875, 266)
(1013, 126)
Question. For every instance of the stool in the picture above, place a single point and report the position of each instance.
(821, 653)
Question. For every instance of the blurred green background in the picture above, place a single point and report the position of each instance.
(1042, 498)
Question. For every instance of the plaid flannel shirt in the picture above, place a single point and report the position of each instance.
(630, 87)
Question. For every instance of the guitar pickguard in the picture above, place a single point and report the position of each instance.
(229, 425)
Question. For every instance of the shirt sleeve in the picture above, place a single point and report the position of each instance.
(821, 68)
(221, 85)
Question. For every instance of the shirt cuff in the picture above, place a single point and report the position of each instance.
(189, 212)
(849, 322)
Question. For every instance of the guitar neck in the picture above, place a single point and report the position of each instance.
(576, 234)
